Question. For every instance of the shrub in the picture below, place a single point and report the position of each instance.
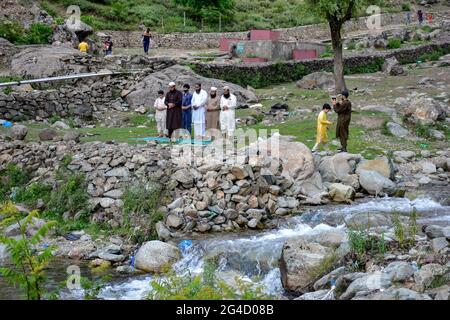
(28, 258)
(31, 194)
(11, 31)
(394, 44)
(406, 7)
(351, 45)
(205, 286)
(39, 33)
(11, 179)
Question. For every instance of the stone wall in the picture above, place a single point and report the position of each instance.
(179, 40)
(262, 74)
(80, 99)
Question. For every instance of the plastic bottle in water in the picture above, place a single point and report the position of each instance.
(185, 245)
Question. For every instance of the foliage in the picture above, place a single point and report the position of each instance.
(28, 259)
(394, 43)
(143, 199)
(328, 53)
(371, 67)
(362, 244)
(205, 286)
(93, 287)
(38, 33)
(405, 235)
(406, 7)
(11, 179)
(385, 129)
(30, 194)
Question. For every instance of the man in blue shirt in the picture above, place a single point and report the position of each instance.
(187, 109)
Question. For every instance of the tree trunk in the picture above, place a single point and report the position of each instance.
(336, 41)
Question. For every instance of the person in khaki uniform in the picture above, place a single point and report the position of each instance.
(213, 110)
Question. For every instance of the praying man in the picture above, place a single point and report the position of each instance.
(228, 104)
(199, 99)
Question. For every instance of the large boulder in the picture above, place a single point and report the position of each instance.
(64, 36)
(278, 155)
(317, 80)
(392, 67)
(45, 61)
(397, 130)
(310, 187)
(394, 294)
(7, 50)
(154, 256)
(339, 167)
(299, 258)
(375, 183)
(424, 110)
(341, 193)
(367, 283)
(81, 29)
(380, 165)
(47, 134)
(141, 94)
(18, 132)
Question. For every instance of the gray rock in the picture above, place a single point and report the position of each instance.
(18, 132)
(397, 130)
(405, 154)
(423, 110)
(298, 258)
(317, 80)
(118, 172)
(324, 282)
(154, 256)
(71, 136)
(115, 194)
(162, 231)
(392, 67)
(367, 283)
(60, 125)
(316, 295)
(150, 85)
(439, 244)
(425, 276)
(111, 257)
(399, 271)
(47, 134)
(177, 203)
(4, 255)
(428, 167)
(184, 176)
(174, 221)
(341, 193)
(374, 183)
(395, 294)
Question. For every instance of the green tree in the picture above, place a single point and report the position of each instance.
(28, 259)
(337, 13)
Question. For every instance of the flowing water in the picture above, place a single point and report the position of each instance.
(254, 256)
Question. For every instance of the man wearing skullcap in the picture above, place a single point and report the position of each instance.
(228, 104)
(173, 101)
(213, 110)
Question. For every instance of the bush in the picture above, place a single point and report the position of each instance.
(11, 31)
(406, 7)
(205, 286)
(11, 179)
(394, 44)
(39, 33)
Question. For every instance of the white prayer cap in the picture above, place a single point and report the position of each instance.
(226, 88)
(172, 84)
(213, 89)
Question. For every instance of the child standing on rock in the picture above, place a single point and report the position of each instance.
(322, 127)
(161, 114)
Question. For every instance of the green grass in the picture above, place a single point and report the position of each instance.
(165, 16)
(394, 44)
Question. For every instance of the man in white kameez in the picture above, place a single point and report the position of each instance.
(199, 99)
(228, 104)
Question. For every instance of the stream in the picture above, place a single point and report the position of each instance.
(252, 256)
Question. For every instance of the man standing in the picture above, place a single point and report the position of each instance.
(199, 99)
(322, 127)
(228, 104)
(173, 101)
(161, 114)
(213, 110)
(187, 109)
(344, 111)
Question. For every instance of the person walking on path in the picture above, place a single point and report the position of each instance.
(173, 101)
(161, 114)
(322, 127)
(146, 40)
(420, 16)
(187, 109)
(343, 109)
(108, 46)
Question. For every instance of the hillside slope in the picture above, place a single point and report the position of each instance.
(165, 16)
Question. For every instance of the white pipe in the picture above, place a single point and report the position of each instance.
(69, 77)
